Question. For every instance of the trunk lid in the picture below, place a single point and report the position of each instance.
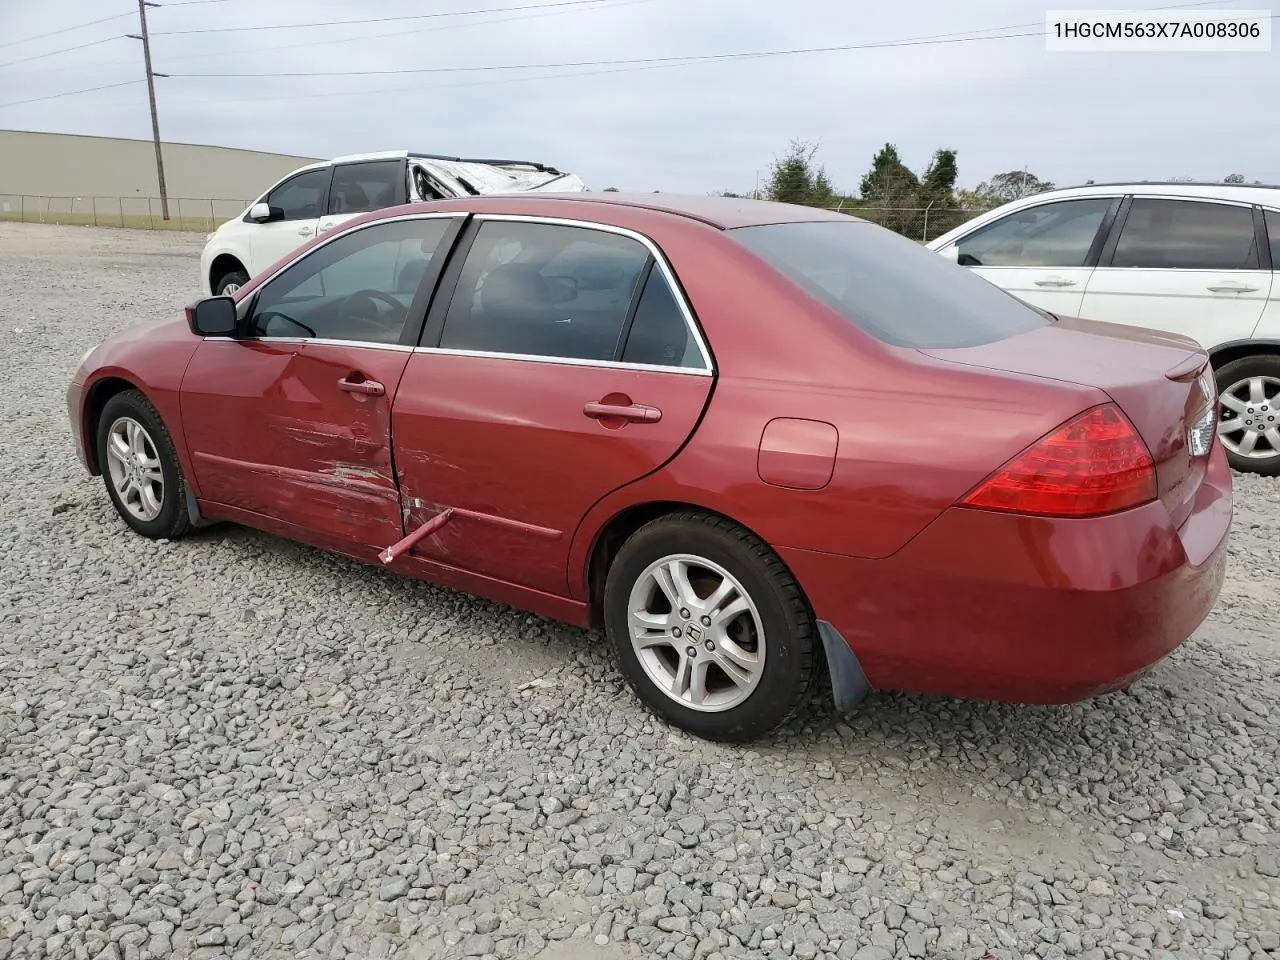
(1161, 381)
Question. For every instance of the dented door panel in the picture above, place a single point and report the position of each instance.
(308, 450)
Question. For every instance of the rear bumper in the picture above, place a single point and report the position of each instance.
(1028, 610)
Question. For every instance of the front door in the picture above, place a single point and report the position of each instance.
(1185, 266)
(297, 204)
(1042, 254)
(292, 421)
(563, 367)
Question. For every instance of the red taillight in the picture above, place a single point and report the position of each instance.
(1095, 463)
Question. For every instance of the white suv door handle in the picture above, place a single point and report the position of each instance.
(1231, 288)
(1055, 282)
(304, 231)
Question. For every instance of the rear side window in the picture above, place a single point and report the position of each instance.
(1187, 235)
(1047, 235)
(1273, 234)
(889, 286)
(361, 187)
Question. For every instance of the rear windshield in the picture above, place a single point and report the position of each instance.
(891, 287)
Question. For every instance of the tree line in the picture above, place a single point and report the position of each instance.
(919, 205)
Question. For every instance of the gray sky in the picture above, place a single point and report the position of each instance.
(1001, 103)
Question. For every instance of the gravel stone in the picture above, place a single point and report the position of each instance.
(237, 747)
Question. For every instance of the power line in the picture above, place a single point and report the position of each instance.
(344, 23)
(69, 93)
(604, 5)
(54, 53)
(967, 36)
(633, 61)
(54, 33)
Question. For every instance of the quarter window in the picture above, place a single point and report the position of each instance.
(300, 198)
(358, 287)
(361, 187)
(544, 290)
(1187, 235)
(1048, 235)
(659, 334)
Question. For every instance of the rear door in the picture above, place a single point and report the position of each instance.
(1194, 267)
(563, 364)
(299, 201)
(363, 186)
(1044, 253)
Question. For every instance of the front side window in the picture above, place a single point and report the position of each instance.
(358, 287)
(300, 198)
(361, 187)
(1187, 235)
(1048, 235)
(545, 290)
(891, 287)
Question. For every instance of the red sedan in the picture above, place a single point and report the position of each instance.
(739, 436)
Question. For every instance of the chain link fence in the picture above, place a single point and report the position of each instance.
(204, 215)
(145, 213)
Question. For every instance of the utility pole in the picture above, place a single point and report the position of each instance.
(151, 92)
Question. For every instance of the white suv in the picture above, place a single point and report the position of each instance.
(1194, 259)
(319, 196)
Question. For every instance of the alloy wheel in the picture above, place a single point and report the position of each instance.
(697, 633)
(134, 466)
(1249, 418)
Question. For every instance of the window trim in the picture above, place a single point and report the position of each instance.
(434, 328)
(1107, 261)
(418, 306)
(1100, 237)
(400, 196)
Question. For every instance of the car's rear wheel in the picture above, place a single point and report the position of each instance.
(709, 627)
(1249, 413)
(229, 283)
(140, 468)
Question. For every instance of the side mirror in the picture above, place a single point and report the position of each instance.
(264, 213)
(212, 317)
(951, 252)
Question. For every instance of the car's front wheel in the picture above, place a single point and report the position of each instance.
(140, 468)
(229, 283)
(1249, 413)
(709, 627)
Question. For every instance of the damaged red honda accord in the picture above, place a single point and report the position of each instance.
(744, 438)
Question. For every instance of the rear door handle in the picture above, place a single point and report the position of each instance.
(304, 231)
(1055, 282)
(370, 388)
(636, 411)
(1231, 288)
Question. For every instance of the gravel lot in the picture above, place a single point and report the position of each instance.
(237, 747)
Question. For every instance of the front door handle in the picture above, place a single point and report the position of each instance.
(1055, 282)
(371, 388)
(304, 231)
(1231, 288)
(637, 412)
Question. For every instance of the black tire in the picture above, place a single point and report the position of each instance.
(784, 614)
(237, 277)
(172, 521)
(1236, 372)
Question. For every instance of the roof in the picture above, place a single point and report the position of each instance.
(722, 212)
(422, 155)
(1263, 194)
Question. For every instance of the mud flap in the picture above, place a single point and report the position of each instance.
(848, 681)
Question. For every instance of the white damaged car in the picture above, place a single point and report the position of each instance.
(319, 196)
